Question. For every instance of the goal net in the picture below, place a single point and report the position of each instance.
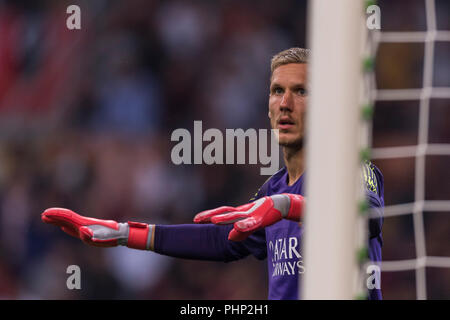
(416, 156)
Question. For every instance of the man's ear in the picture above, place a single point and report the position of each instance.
(268, 114)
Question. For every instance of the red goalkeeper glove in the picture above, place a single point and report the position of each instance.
(100, 233)
(256, 215)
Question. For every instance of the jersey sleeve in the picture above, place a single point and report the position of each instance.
(206, 242)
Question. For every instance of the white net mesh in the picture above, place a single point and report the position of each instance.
(420, 205)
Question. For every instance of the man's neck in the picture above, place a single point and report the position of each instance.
(295, 163)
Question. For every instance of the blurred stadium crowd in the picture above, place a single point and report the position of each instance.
(85, 123)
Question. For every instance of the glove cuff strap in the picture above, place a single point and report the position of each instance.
(296, 208)
(140, 236)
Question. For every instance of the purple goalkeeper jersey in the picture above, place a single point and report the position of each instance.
(280, 243)
(284, 239)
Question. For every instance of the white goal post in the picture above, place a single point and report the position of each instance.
(333, 185)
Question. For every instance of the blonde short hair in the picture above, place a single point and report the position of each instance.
(292, 55)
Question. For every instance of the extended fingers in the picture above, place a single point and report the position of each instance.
(205, 216)
(63, 218)
(228, 218)
(57, 216)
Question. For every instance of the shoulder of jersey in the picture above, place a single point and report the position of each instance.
(370, 176)
(264, 185)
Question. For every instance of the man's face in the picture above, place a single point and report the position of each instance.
(287, 103)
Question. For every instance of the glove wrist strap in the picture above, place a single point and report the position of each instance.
(140, 236)
(296, 208)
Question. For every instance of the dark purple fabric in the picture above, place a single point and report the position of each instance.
(206, 242)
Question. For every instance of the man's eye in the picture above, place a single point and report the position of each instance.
(277, 90)
(302, 91)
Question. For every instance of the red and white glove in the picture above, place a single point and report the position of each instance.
(100, 233)
(255, 215)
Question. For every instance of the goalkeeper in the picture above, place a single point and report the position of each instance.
(269, 227)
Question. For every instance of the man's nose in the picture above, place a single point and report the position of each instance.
(286, 101)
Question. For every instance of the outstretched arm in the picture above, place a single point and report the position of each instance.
(189, 241)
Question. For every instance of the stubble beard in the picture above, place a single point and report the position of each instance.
(295, 145)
